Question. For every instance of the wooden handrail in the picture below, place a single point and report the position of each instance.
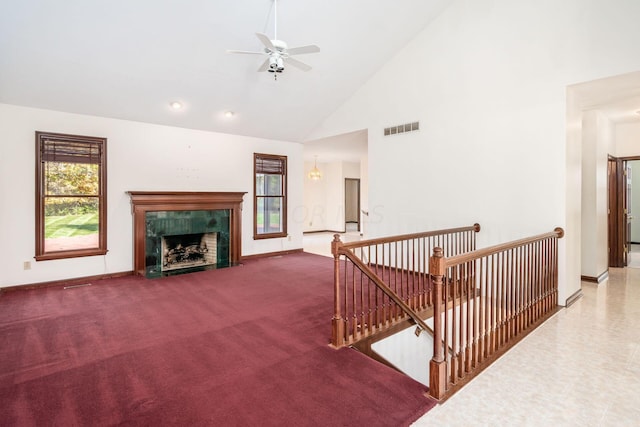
(389, 292)
(381, 240)
(480, 253)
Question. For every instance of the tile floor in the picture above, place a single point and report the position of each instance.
(580, 368)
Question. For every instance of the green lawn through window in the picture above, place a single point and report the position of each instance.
(70, 225)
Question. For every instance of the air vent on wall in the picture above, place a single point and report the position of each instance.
(407, 127)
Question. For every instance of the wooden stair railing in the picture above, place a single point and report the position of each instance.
(510, 289)
(381, 283)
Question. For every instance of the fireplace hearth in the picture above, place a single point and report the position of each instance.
(178, 232)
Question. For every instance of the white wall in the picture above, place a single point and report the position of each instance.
(627, 137)
(139, 157)
(597, 144)
(488, 81)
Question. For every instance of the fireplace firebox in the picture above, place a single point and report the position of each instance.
(189, 251)
(180, 232)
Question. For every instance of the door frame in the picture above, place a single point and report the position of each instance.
(618, 210)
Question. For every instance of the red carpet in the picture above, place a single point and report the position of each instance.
(242, 346)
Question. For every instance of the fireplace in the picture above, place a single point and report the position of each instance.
(179, 232)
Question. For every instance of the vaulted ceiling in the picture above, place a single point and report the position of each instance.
(129, 59)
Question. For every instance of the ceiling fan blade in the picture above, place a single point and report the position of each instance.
(264, 66)
(298, 64)
(246, 52)
(312, 48)
(266, 42)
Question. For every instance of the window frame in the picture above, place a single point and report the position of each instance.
(283, 233)
(40, 253)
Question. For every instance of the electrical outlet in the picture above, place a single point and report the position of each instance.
(27, 265)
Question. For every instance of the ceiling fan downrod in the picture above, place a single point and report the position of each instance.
(275, 19)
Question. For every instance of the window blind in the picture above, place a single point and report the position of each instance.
(71, 151)
(270, 165)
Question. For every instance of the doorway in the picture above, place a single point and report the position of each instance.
(623, 236)
(351, 204)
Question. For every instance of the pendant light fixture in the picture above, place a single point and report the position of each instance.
(315, 174)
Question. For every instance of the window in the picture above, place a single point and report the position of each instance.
(71, 201)
(270, 196)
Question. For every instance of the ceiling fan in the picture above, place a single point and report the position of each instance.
(278, 54)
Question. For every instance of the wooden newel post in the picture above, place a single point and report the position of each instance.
(437, 366)
(337, 333)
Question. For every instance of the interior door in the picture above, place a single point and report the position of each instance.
(627, 210)
(618, 229)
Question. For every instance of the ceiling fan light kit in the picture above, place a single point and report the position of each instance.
(278, 54)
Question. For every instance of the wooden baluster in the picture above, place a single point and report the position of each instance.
(376, 307)
(446, 289)
(512, 293)
(396, 312)
(537, 281)
(437, 365)
(534, 282)
(422, 282)
(370, 298)
(503, 300)
(494, 304)
(415, 288)
(452, 285)
(379, 301)
(499, 299)
(541, 278)
(531, 284)
(403, 292)
(482, 271)
(363, 324)
(469, 312)
(523, 289)
(498, 302)
(517, 284)
(473, 287)
(527, 281)
(545, 275)
(354, 313)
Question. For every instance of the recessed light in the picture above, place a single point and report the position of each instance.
(176, 105)
(229, 114)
